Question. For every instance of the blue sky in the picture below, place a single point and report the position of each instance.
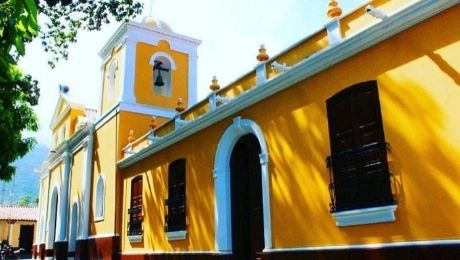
(231, 31)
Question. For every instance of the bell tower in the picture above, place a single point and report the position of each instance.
(147, 67)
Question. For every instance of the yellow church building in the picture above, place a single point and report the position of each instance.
(344, 146)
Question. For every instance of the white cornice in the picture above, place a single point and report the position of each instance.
(168, 35)
(316, 63)
(146, 110)
(116, 39)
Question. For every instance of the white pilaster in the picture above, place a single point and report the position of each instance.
(64, 201)
(86, 183)
(333, 31)
(261, 74)
(192, 78)
(128, 72)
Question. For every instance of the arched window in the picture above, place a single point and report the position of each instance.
(162, 67)
(135, 211)
(111, 77)
(73, 227)
(176, 214)
(100, 192)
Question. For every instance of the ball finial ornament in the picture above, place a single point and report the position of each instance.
(334, 10)
(262, 56)
(215, 84)
(180, 105)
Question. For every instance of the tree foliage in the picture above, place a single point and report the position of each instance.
(19, 92)
(28, 200)
(64, 21)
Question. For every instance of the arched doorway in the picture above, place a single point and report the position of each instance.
(73, 227)
(52, 219)
(222, 180)
(246, 199)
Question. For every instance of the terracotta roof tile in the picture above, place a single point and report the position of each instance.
(18, 213)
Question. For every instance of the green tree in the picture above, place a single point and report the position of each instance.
(18, 25)
(25, 201)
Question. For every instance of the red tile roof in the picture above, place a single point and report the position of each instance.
(18, 213)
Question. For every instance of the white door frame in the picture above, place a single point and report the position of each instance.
(222, 191)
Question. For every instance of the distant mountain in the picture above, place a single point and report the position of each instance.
(26, 181)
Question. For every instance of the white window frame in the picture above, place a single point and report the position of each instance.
(222, 198)
(112, 78)
(165, 90)
(100, 199)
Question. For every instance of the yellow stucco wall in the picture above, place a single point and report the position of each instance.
(75, 190)
(66, 127)
(108, 101)
(15, 232)
(419, 88)
(199, 190)
(139, 123)
(3, 230)
(104, 157)
(144, 74)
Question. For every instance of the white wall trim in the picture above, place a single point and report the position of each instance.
(146, 110)
(369, 246)
(165, 55)
(102, 178)
(106, 117)
(147, 34)
(149, 252)
(192, 80)
(222, 191)
(116, 39)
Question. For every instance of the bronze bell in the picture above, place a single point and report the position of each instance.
(159, 80)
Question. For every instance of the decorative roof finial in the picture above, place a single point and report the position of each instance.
(180, 105)
(262, 56)
(215, 85)
(153, 123)
(131, 136)
(334, 10)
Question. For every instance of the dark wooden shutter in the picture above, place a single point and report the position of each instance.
(358, 148)
(135, 212)
(176, 198)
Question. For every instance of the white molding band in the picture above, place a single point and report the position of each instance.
(368, 246)
(149, 252)
(222, 191)
(314, 64)
(365, 216)
(146, 110)
(176, 235)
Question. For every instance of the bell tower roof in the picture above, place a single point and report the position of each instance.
(156, 23)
